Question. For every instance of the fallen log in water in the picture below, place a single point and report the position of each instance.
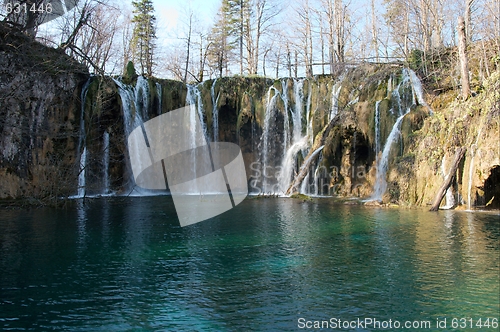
(459, 154)
(313, 154)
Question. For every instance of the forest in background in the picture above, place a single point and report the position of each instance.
(272, 38)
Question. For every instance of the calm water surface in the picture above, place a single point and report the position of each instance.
(126, 264)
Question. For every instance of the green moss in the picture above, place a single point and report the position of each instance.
(302, 197)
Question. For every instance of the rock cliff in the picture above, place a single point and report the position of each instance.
(369, 131)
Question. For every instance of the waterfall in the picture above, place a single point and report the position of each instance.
(317, 176)
(450, 200)
(159, 92)
(195, 102)
(105, 163)
(390, 86)
(81, 176)
(377, 127)
(197, 112)
(191, 102)
(142, 98)
(215, 111)
(314, 154)
(304, 187)
(299, 143)
(298, 91)
(337, 87)
(82, 143)
(134, 101)
(135, 105)
(471, 175)
(473, 150)
(286, 120)
(418, 92)
(289, 164)
(309, 117)
(270, 109)
(383, 161)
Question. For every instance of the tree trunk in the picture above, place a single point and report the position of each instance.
(464, 65)
(449, 179)
(242, 29)
(296, 63)
(467, 19)
(375, 32)
(186, 69)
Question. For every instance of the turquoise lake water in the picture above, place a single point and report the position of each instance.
(125, 264)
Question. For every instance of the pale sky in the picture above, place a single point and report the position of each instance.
(168, 12)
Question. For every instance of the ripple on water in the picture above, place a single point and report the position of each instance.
(125, 264)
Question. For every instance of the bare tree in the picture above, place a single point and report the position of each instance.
(304, 35)
(93, 39)
(374, 31)
(464, 66)
(258, 24)
(188, 43)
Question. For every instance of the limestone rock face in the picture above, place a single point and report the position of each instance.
(342, 126)
(39, 118)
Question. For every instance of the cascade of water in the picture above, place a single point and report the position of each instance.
(215, 111)
(289, 163)
(418, 92)
(197, 112)
(337, 87)
(142, 98)
(299, 143)
(270, 110)
(377, 127)
(82, 144)
(81, 176)
(195, 102)
(135, 105)
(286, 120)
(317, 174)
(159, 92)
(304, 187)
(313, 155)
(450, 200)
(105, 163)
(473, 150)
(191, 102)
(396, 95)
(390, 86)
(309, 117)
(298, 91)
(132, 104)
(471, 175)
(383, 161)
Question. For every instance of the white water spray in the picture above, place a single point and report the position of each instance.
(377, 127)
(337, 87)
(270, 110)
(81, 176)
(82, 143)
(215, 111)
(383, 161)
(450, 200)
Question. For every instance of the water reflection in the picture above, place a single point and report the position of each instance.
(123, 264)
